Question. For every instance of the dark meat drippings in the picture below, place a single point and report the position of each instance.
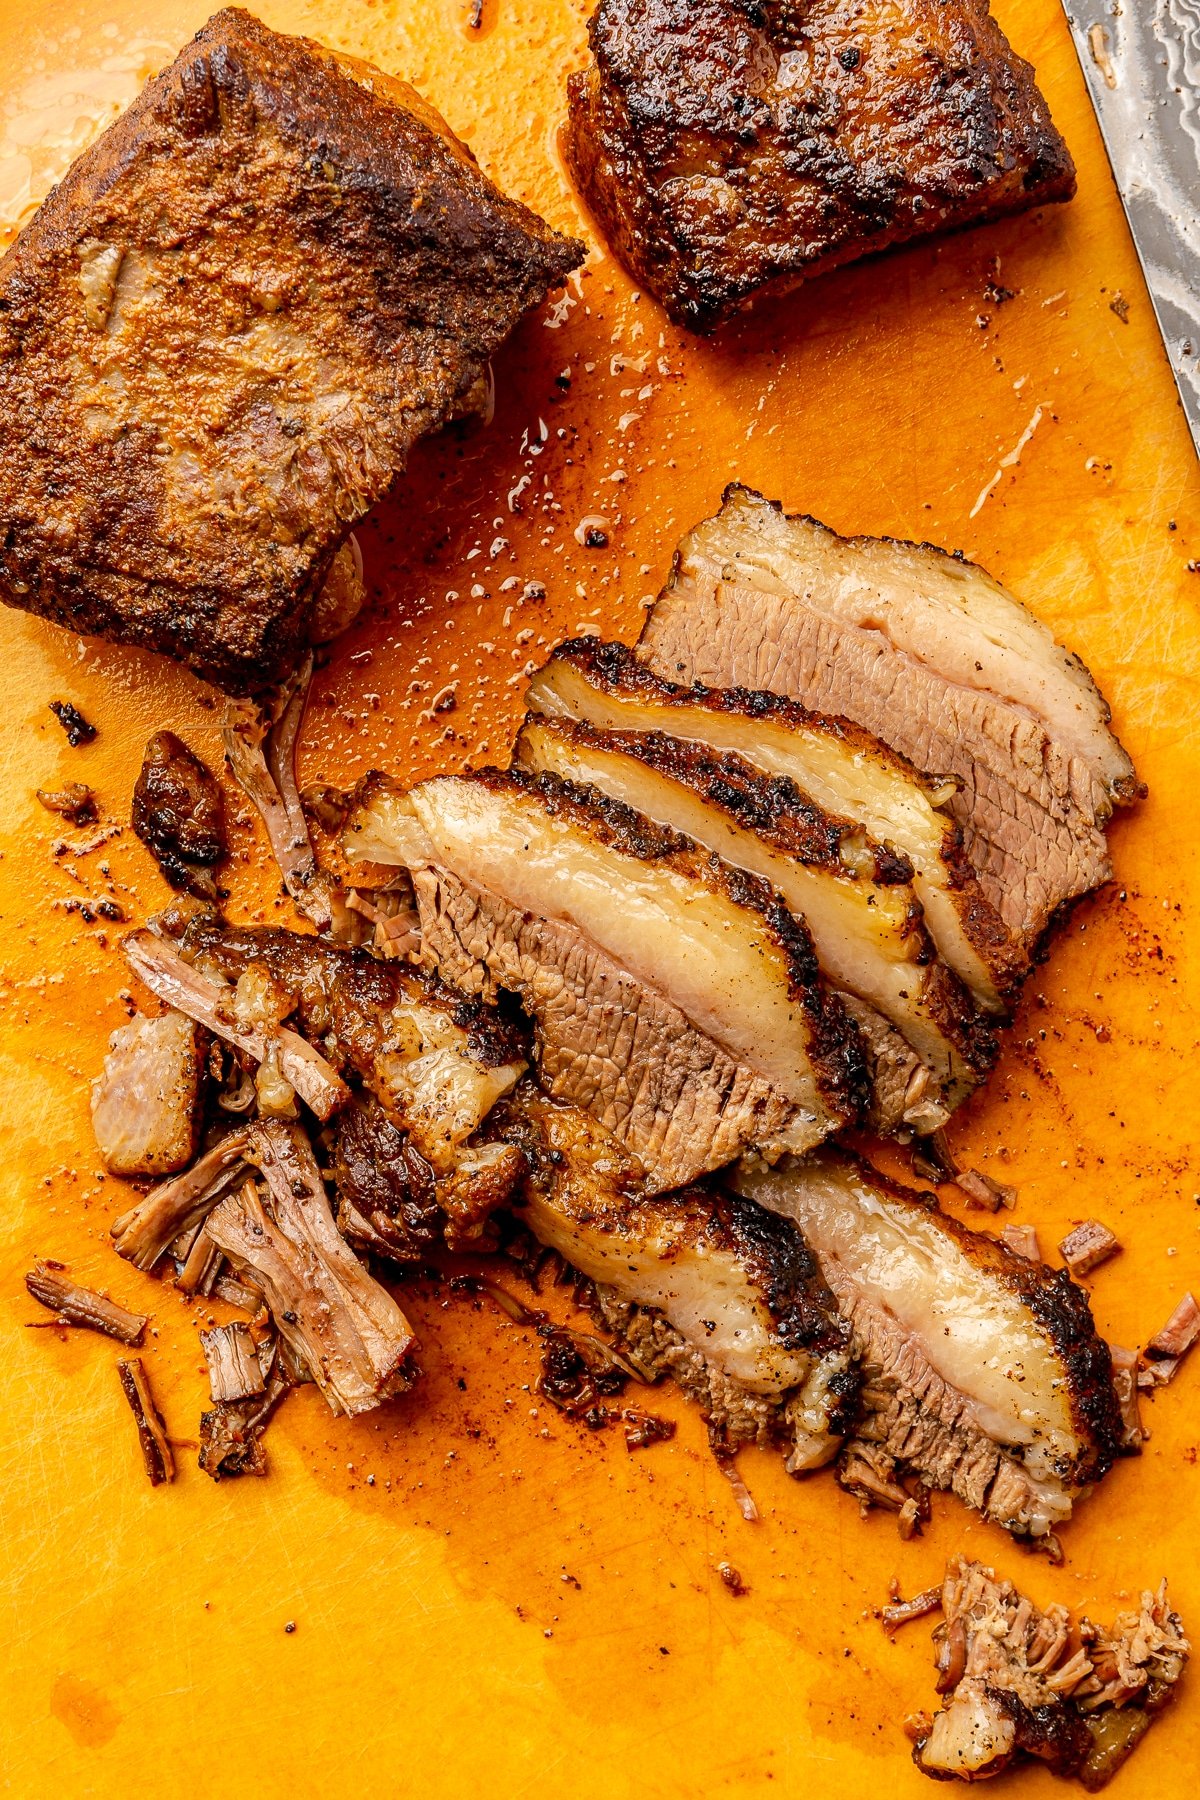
(179, 815)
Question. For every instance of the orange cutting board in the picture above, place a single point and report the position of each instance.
(486, 1596)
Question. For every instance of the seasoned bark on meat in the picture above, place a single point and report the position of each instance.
(722, 1295)
(982, 1371)
(732, 149)
(889, 634)
(630, 947)
(841, 767)
(223, 332)
(852, 894)
(147, 1101)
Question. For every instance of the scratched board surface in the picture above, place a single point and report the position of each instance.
(467, 1588)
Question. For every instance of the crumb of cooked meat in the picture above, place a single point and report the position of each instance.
(147, 1102)
(1023, 1239)
(179, 815)
(231, 1432)
(73, 801)
(77, 1305)
(899, 1612)
(933, 1159)
(152, 1433)
(73, 723)
(1167, 1348)
(1019, 1681)
(643, 1429)
(1125, 1386)
(1090, 1244)
(982, 1191)
(328, 805)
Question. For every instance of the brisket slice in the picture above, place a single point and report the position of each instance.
(1032, 813)
(628, 1055)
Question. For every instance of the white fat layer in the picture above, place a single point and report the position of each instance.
(861, 930)
(710, 1298)
(973, 1331)
(843, 778)
(717, 961)
(969, 1735)
(950, 616)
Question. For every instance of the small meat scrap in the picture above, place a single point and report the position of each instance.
(147, 1100)
(1168, 1347)
(982, 1191)
(179, 815)
(1019, 1682)
(234, 1371)
(1125, 1386)
(152, 1433)
(247, 1384)
(644, 1429)
(733, 1580)
(900, 1612)
(73, 723)
(1090, 1244)
(74, 801)
(76, 1305)
(1023, 1240)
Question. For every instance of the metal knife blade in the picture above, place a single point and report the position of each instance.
(1141, 62)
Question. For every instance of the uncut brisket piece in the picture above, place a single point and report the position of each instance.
(732, 148)
(222, 334)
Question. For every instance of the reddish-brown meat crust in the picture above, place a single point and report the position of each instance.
(731, 147)
(1060, 1307)
(223, 332)
(834, 1046)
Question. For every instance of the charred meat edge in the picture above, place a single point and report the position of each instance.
(700, 1284)
(993, 643)
(838, 764)
(1057, 1309)
(769, 828)
(828, 1076)
(366, 1012)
